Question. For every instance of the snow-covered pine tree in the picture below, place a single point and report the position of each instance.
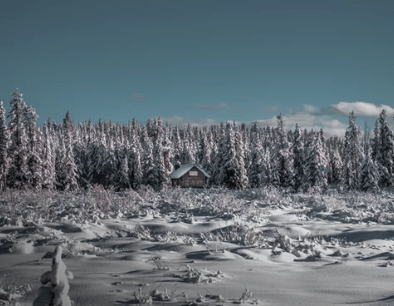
(218, 158)
(233, 173)
(283, 156)
(17, 151)
(213, 150)
(186, 155)
(121, 177)
(204, 152)
(354, 155)
(241, 172)
(386, 150)
(366, 137)
(109, 166)
(66, 169)
(80, 155)
(192, 150)
(98, 161)
(59, 163)
(34, 161)
(48, 167)
(160, 169)
(177, 144)
(369, 174)
(246, 145)
(298, 159)
(4, 141)
(336, 167)
(376, 146)
(228, 169)
(271, 177)
(136, 169)
(167, 156)
(256, 167)
(68, 125)
(316, 171)
(148, 165)
(70, 178)
(324, 149)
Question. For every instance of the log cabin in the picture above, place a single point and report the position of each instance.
(189, 175)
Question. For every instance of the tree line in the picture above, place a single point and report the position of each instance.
(66, 156)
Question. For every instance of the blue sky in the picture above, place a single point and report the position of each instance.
(201, 61)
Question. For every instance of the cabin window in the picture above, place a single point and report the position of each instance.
(193, 173)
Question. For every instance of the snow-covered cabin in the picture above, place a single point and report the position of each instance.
(189, 175)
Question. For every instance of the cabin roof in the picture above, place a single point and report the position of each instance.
(181, 171)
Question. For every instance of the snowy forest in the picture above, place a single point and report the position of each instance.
(66, 156)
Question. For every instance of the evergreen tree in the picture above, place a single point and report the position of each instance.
(242, 180)
(137, 171)
(376, 146)
(121, 178)
(209, 160)
(34, 147)
(81, 155)
(186, 154)
(167, 157)
(271, 177)
(386, 150)
(70, 170)
(298, 158)
(109, 165)
(176, 140)
(159, 169)
(316, 170)
(336, 166)
(218, 158)
(148, 165)
(59, 164)
(354, 155)
(48, 167)
(256, 167)
(233, 173)
(4, 139)
(17, 150)
(204, 152)
(369, 176)
(283, 156)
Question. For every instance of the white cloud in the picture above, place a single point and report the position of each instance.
(309, 121)
(360, 109)
(305, 120)
(308, 117)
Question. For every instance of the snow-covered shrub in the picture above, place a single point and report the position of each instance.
(57, 292)
(237, 233)
(148, 193)
(11, 292)
(197, 276)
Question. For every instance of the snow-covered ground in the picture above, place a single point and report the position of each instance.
(216, 247)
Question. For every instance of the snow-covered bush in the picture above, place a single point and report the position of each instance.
(11, 292)
(57, 279)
